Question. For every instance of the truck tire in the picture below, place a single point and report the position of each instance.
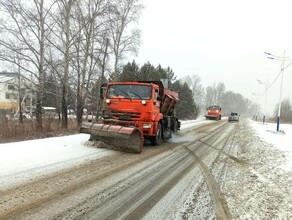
(174, 129)
(157, 138)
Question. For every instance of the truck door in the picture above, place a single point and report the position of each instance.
(157, 100)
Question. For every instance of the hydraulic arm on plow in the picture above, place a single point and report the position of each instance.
(133, 112)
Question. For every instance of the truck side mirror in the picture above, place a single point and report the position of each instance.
(101, 92)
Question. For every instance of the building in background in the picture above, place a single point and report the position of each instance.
(14, 89)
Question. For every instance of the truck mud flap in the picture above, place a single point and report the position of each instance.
(127, 139)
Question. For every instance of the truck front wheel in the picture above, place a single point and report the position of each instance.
(157, 138)
(174, 129)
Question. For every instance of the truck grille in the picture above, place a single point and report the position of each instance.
(126, 116)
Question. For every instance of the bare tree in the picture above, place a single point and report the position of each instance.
(125, 37)
(220, 90)
(63, 41)
(214, 94)
(89, 47)
(235, 102)
(69, 39)
(78, 37)
(194, 82)
(286, 111)
(210, 96)
(23, 33)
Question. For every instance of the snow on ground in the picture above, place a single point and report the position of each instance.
(43, 156)
(18, 156)
(194, 123)
(51, 154)
(281, 140)
(186, 125)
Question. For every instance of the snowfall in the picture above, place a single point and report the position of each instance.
(43, 156)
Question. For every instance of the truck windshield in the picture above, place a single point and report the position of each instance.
(213, 108)
(129, 91)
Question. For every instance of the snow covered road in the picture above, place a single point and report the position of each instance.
(210, 170)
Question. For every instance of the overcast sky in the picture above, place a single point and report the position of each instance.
(221, 41)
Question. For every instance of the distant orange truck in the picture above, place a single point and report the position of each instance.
(213, 112)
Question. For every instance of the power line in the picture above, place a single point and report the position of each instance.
(282, 69)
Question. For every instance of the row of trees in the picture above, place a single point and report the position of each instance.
(286, 111)
(75, 43)
(68, 48)
(217, 94)
(193, 97)
(130, 71)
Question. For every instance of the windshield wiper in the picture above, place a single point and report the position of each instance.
(137, 95)
(116, 94)
(128, 95)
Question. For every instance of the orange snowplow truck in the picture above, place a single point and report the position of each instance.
(213, 112)
(133, 112)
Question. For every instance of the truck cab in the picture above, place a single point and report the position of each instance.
(213, 112)
(147, 106)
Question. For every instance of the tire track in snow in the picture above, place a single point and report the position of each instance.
(220, 205)
(219, 201)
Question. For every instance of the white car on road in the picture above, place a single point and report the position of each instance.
(233, 117)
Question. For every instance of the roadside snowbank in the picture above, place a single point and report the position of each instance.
(281, 140)
(26, 160)
(18, 156)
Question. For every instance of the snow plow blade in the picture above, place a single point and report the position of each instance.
(127, 139)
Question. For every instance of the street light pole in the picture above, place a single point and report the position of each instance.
(283, 59)
(280, 98)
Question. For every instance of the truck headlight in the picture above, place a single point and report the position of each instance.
(147, 126)
(108, 101)
(143, 102)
